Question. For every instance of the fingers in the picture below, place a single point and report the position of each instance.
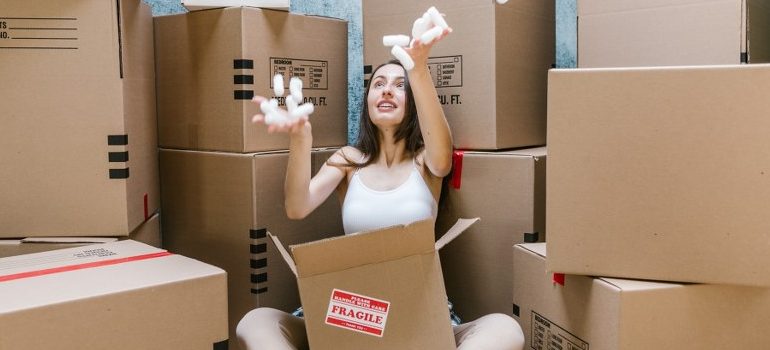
(258, 99)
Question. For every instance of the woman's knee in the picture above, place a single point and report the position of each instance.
(267, 328)
(494, 331)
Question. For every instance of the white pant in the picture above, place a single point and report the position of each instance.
(271, 329)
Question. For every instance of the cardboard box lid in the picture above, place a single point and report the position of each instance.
(371, 247)
(94, 268)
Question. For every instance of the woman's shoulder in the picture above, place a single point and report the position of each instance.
(345, 157)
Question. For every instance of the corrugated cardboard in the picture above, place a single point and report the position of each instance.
(121, 295)
(217, 208)
(507, 191)
(672, 33)
(616, 314)
(147, 233)
(660, 173)
(194, 5)
(78, 120)
(210, 63)
(394, 275)
(490, 73)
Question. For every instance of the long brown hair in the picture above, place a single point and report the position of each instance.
(368, 142)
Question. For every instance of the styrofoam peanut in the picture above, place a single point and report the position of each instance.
(303, 109)
(392, 40)
(421, 25)
(399, 53)
(437, 18)
(295, 89)
(428, 37)
(278, 85)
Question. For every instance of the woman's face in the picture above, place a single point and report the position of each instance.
(387, 96)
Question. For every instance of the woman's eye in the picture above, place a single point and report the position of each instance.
(378, 84)
(400, 85)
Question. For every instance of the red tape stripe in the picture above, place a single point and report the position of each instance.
(50, 271)
(457, 169)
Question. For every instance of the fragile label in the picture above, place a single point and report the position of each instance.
(548, 336)
(357, 313)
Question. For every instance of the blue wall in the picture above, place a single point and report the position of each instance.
(342, 9)
(566, 33)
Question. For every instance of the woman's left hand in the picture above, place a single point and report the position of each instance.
(419, 51)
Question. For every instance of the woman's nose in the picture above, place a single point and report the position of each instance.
(387, 90)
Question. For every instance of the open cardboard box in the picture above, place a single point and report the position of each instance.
(380, 289)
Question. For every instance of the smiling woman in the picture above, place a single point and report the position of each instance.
(395, 169)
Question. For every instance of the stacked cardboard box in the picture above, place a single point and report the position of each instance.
(222, 175)
(672, 33)
(620, 314)
(78, 124)
(490, 75)
(120, 295)
(655, 173)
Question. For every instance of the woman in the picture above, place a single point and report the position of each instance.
(404, 150)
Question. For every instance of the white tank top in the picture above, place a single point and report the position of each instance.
(368, 209)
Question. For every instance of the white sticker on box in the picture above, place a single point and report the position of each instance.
(357, 313)
(547, 335)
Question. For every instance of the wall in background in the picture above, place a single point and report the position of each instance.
(566, 33)
(342, 9)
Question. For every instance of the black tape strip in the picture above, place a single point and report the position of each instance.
(258, 291)
(257, 234)
(531, 237)
(243, 79)
(744, 57)
(516, 310)
(244, 94)
(117, 140)
(258, 263)
(117, 157)
(220, 345)
(366, 82)
(258, 248)
(259, 278)
(368, 69)
(119, 173)
(243, 64)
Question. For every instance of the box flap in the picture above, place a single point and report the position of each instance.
(341, 253)
(284, 253)
(459, 227)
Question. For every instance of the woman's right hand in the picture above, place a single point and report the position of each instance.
(299, 127)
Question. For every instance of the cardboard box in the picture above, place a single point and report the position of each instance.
(195, 5)
(121, 295)
(659, 173)
(210, 64)
(147, 233)
(672, 33)
(378, 290)
(217, 207)
(490, 73)
(507, 191)
(617, 314)
(78, 120)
